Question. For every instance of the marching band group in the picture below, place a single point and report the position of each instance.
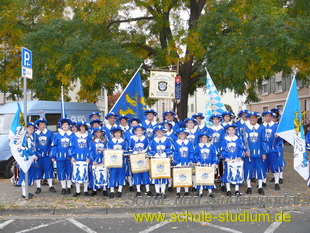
(78, 150)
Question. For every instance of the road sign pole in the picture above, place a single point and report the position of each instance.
(25, 118)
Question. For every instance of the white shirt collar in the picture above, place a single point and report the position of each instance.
(136, 138)
(234, 138)
(62, 133)
(81, 135)
(110, 126)
(216, 128)
(270, 124)
(228, 123)
(242, 121)
(179, 141)
(44, 131)
(256, 126)
(147, 122)
(202, 144)
(162, 139)
(119, 140)
(193, 130)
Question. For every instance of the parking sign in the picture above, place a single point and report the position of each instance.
(26, 63)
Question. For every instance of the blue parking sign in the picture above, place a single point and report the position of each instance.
(26, 58)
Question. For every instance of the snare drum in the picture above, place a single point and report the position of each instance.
(139, 163)
(182, 177)
(80, 172)
(204, 175)
(100, 175)
(113, 158)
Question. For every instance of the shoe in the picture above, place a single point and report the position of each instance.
(272, 180)
(186, 194)
(277, 187)
(86, 194)
(228, 193)
(193, 189)
(157, 195)
(253, 180)
(264, 185)
(223, 188)
(29, 197)
(149, 194)
(261, 191)
(111, 195)
(119, 194)
(163, 196)
(249, 191)
(39, 190)
(211, 195)
(280, 181)
(52, 189)
(76, 194)
(138, 194)
(105, 193)
(200, 195)
(178, 195)
(237, 193)
(68, 190)
(63, 191)
(170, 189)
(131, 189)
(94, 193)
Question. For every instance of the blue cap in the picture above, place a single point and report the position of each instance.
(94, 113)
(32, 124)
(198, 114)
(269, 112)
(166, 122)
(190, 119)
(231, 125)
(228, 113)
(123, 117)
(117, 128)
(97, 129)
(165, 113)
(134, 119)
(159, 127)
(182, 130)
(111, 114)
(253, 114)
(138, 127)
(243, 111)
(96, 120)
(204, 133)
(215, 115)
(80, 123)
(150, 111)
(40, 120)
(63, 120)
(73, 123)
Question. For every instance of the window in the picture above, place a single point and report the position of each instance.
(192, 107)
(279, 86)
(279, 107)
(265, 108)
(52, 120)
(33, 118)
(264, 88)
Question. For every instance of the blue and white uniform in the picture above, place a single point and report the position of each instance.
(232, 148)
(107, 127)
(193, 135)
(149, 126)
(61, 152)
(183, 152)
(43, 141)
(217, 134)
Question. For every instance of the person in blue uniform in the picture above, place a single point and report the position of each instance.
(138, 144)
(97, 145)
(81, 153)
(28, 150)
(205, 154)
(73, 127)
(43, 140)
(255, 155)
(217, 133)
(94, 116)
(111, 118)
(273, 154)
(122, 121)
(94, 124)
(161, 147)
(150, 123)
(193, 132)
(171, 117)
(183, 154)
(232, 149)
(117, 175)
(169, 132)
(61, 155)
(227, 117)
(200, 124)
(242, 118)
(130, 132)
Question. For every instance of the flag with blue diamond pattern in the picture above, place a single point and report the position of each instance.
(214, 104)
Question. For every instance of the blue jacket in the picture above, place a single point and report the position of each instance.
(256, 140)
(62, 146)
(205, 154)
(81, 146)
(160, 147)
(232, 148)
(44, 141)
(183, 152)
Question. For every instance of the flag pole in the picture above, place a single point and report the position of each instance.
(128, 84)
(25, 119)
(63, 115)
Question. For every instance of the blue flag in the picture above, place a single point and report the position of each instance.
(291, 129)
(214, 104)
(131, 102)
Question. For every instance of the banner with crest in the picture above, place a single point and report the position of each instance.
(162, 84)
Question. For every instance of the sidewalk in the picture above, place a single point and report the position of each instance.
(53, 203)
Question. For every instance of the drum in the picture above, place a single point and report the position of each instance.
(100, 175)
(204, 175)
(113, 158)
(80, 172)
(160, 168)
(235, 172)
(182, 177)
(139, 163)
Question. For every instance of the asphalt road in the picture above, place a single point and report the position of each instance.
(126, 223)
